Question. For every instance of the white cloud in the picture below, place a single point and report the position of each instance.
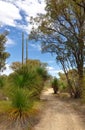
(7, 71)
(53, 71)
(31, 7)
(9, 13)
(49, 68)
(36, 46)
(9, 42)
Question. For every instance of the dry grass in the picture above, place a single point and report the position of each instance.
(10, 118)
(4, 106)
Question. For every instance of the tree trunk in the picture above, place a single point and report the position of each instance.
(71, 90)
(55, 89)
(80, 81)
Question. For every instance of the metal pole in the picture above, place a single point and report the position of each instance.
(26, 50)
(22, 48)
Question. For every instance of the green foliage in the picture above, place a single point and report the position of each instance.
(74, 89)
(23, 77)
(61, 32)
(3, 79)
(55, 85)
(24, 88)
(63, 86)
(19, 111)
(31, 75)
(21, 100)
(55, 82)
(42, 72)
(15, 66)
(1, 82)
(32, 64)
(26, 77)
(3, 55)
(83, 93)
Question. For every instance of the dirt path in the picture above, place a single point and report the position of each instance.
(58, 115)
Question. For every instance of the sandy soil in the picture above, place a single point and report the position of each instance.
(58, 115)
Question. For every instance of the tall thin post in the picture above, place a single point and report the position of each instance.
(26, 50)
(22, 48)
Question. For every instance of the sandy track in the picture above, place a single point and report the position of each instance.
(58, 115)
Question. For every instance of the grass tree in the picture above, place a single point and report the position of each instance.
(20, 104)
(55, 85)
(23, 90)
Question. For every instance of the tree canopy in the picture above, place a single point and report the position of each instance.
(3, 54)
(62, 32)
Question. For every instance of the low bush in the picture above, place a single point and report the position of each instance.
(55, 85)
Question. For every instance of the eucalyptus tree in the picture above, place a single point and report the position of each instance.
(3, 54)
(80, 3)
(61, 30)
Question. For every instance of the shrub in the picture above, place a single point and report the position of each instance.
(26, 78)
(42, 72)
(55, 85)
(20, 99)
(2, 81)
(19, 113)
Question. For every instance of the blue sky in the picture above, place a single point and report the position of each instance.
(14, 17)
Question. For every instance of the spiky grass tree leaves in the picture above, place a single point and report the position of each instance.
(24, 88)
(28, 79)
(42, 72)
(20, 100)
(22, 78)
(21, 103)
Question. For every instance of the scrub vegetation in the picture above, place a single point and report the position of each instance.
(21, 92)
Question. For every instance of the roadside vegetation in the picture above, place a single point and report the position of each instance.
(20, 93)
(61, 31)
(55, 85)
